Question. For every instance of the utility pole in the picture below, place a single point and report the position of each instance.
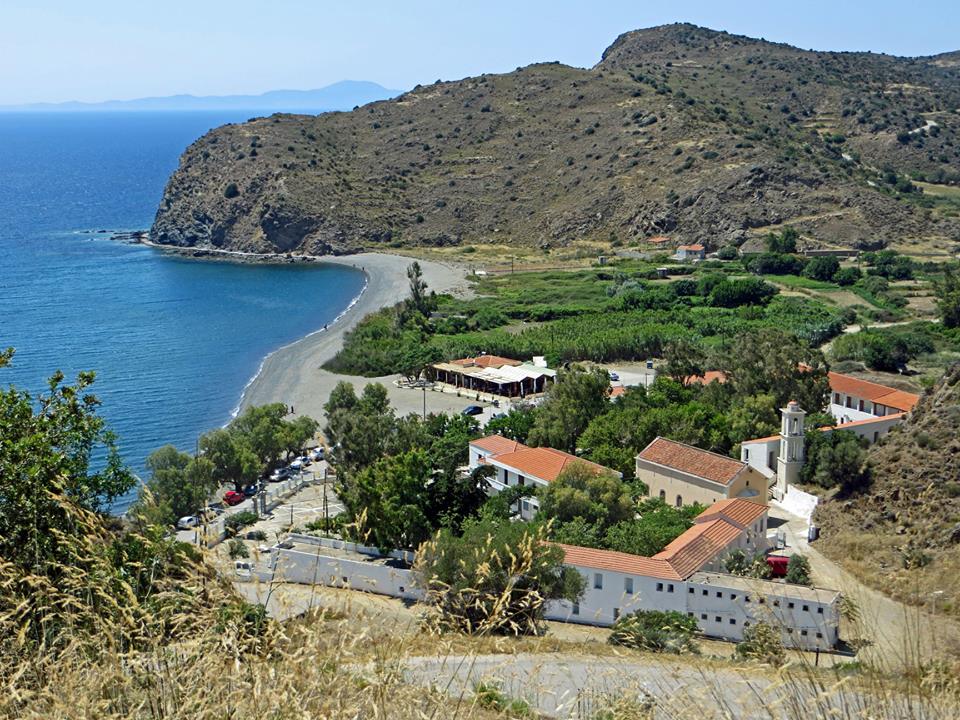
(424, 388)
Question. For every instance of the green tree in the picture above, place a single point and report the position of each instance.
(233, 460)
(948, 298)
(822, 268)
(684, 359)
(571, 403)
(835, 458)
(656, 631)
(798, 570)
(263, 429)
(493, 579)
(359, 429)
(46, 446)
(580, 491)
(657, 525)
(846, 276)
(386, 501)
(785, 242)
(515, 425)
(753, 416)
(179, 484)
(773, 362)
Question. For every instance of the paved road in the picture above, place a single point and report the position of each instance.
(577, 686)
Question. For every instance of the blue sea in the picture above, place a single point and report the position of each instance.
(173, 341)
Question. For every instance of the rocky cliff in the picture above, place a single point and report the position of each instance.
(678, 130)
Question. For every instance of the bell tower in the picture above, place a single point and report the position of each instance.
(791, 456)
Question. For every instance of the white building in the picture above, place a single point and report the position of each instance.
(516, 464)
(687, 576)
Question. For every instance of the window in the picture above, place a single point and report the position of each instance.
(776, 603)
(690, 590)
(659, 587)
(719, 594)
(401, 588)
(670, 588)
(803, 632)
(761, 600)
(819, 611)
(820, 636)
(576, 608)
(790, 605)
(616, 613)
(689, 614)
(860, 406)
(876, 435)
(733, 596)
(806, 608)
(790, 631)
(717, 618)
(849, 402)
(733, 621)
(705, 593)
(679, 501)
(703, 616)
(836, 398)
(746, 454)
(628, 586)
(598, 581)
(521, 480)
(663, 495)
(526, 505)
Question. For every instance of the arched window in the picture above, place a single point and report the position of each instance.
(679, 501)
(663, 495)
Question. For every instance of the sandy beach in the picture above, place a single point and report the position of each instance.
(293, 374)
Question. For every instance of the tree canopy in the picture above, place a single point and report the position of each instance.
(598, 498)
(571, 403)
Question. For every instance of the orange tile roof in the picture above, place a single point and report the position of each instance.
(708, 377)
(686, 458)
(874, 392)
(542, 462)
(695, 247)
(698, 545)
(861, 423)
(769, 438)
(617, 391)
(487, 361)
(658, 240)
(737, 510)
(618, 562)
(497, 444)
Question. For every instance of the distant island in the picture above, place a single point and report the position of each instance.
(343, 95)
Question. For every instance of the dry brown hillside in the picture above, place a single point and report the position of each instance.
(678, 130)
(903, 534)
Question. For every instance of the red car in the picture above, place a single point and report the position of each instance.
(233, 497)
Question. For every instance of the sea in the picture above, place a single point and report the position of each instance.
(173, 341)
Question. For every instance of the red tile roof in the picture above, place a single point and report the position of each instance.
(695, 247)
(497, 444)
(767, 439)
(698, 545)
(618, 562)
(542, 462)
(658, 240)
(712, 533)
(617, 391)
(686, 458)
(486, 361)
(708, 377)
(874, 392)
(737, 510)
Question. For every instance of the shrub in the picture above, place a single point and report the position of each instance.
(762, 642)
(234, 522)
(798, 570)
(846, 276)
(746, 291)
(238, 549)
(728, 252)
(656, 631)
(775, 264)
(822, 268)
(231, 191)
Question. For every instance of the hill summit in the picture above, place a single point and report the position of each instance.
(679, 130)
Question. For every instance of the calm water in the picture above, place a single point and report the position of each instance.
(173, 341)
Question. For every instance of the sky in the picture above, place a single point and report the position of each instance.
(95, 50)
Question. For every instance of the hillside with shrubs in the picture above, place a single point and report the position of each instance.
(679, 130)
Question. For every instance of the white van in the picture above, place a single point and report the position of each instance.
(188, 522)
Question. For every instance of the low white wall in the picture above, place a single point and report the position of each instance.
(310, 568)
(407, 556)
(799, 503)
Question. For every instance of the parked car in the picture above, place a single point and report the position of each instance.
(305, 460)
(280, 474)
(232, 497)
(613, 376)
(251, 490)
(296, 465)
(472, 410)
(317, 454)
(243, 569)
(188, 522)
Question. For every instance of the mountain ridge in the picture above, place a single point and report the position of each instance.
(342, 95)
(677, 130)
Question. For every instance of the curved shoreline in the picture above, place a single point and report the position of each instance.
(293, 375)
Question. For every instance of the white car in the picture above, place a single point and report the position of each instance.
(317, 454)
(188, 522)
(296, 465)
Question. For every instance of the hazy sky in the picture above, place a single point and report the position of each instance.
(55, 50)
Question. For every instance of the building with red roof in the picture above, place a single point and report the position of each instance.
(517, 464)
(681, 474)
